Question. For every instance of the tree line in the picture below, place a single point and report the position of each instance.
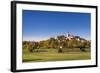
(59, 43)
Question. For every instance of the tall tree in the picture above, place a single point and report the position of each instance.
(61, 40)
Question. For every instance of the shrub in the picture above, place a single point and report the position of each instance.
(60, 50)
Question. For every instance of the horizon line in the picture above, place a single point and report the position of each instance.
(36, 39)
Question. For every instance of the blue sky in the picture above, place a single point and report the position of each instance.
(41, 25)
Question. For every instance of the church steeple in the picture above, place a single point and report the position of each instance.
(68, 34)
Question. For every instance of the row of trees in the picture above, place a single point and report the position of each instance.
(56, 43)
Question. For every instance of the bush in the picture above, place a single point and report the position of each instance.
(82, 49)
(30, 50)
(59, 50)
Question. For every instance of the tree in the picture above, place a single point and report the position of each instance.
(53, 43)
(61, 40)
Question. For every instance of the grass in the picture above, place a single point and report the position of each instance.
(53, 55)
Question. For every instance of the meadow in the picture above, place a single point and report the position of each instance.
(42, 55)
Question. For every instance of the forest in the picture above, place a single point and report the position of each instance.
(59, 43)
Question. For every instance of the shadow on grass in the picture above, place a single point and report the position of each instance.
(30, 60)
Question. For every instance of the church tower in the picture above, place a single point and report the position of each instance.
(68, 34)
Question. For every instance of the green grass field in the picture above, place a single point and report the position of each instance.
(53, 55)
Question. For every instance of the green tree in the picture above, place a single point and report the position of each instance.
(53, 43)
(62, 41)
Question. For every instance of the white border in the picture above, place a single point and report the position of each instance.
(21, 65)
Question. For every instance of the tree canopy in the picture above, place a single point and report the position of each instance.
(56, 43)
